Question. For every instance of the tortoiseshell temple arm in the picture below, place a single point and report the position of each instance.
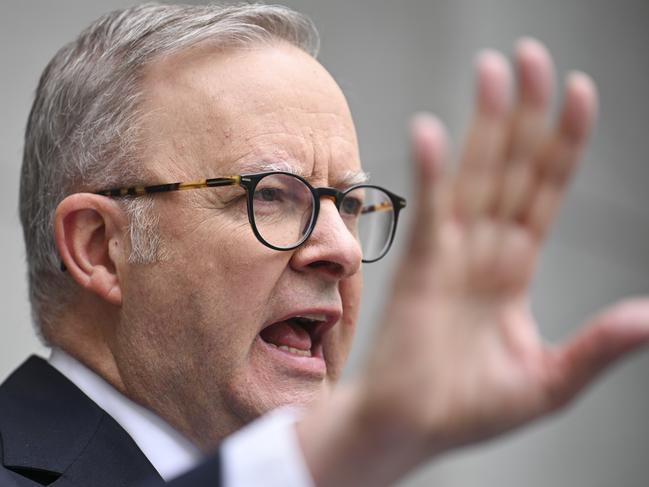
(161, 188)
(384, 206)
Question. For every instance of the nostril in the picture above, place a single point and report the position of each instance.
(331, 267)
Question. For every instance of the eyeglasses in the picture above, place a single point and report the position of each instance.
(283, 208)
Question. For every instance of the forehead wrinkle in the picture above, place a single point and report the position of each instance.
(332, 159)
(269, 157)
(286, 159)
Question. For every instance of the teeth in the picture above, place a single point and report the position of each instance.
(295, 351)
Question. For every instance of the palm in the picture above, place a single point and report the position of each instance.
(459, 340)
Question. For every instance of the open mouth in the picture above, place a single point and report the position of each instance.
(299, 335)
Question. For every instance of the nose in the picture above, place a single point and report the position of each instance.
(331, 249)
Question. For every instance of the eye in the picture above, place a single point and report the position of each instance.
(268, 194)
(351, 206)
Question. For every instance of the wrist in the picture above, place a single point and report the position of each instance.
(347, 442)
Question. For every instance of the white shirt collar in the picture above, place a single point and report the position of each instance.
(169, 452)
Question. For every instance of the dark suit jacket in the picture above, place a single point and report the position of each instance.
(53, 434)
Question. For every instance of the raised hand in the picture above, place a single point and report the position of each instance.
(458, 358)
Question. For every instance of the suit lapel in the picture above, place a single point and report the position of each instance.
(51, 430)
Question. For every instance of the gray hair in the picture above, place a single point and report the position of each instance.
(83, 131)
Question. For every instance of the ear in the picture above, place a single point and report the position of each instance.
(89, 231)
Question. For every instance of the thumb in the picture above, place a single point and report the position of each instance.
(610, 336)
(429, 152)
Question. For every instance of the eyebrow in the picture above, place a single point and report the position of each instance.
(350, 178)
(265, 166)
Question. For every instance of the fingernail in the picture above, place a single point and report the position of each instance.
(426, 119)
(530, 44)
(490, 58)
(494, 81)
(582, 79)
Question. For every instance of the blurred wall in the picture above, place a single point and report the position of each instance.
(395, 58)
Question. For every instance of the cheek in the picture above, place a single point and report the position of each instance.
(224, 259)
(211, 287)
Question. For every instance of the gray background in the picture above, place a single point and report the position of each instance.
(394, 58)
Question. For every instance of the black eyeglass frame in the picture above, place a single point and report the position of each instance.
(250, 181)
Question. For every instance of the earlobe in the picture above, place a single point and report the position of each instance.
(88, 231)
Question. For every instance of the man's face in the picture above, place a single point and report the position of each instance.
(210, 337)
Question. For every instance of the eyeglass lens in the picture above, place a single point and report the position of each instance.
(283, 211)
(372, 220)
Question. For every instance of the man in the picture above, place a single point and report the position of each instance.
(195, 234)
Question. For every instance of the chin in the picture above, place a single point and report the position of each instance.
(254, 398)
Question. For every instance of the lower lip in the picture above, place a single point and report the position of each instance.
(313, 367)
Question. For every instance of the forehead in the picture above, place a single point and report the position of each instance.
(219, 112)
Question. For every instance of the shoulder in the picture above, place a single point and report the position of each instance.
(50, 429)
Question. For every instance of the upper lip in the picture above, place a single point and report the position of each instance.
(326, 317)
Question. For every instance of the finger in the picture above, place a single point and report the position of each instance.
(535, 72)
(609, 337)
(558, 159)
(527, 129)
(429, 153)
(483, 156)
